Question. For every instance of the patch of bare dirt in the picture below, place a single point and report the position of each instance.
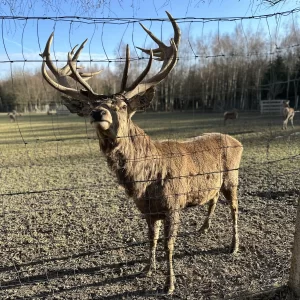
(92, 245)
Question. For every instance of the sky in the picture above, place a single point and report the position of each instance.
(23, 39)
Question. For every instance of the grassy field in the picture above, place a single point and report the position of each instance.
(69, 232)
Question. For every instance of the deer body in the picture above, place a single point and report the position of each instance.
(288, 114)
(12, 117)
(162, 177)
(153, 172)
(230, 115)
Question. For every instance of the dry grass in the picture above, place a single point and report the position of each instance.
(69, 232)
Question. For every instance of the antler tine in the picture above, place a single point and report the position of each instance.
(73, 49)
(143, 74)
(126, 68)
(76, 55)
(147, 51)
(46, 54)
(89, 75)
(60, 74)
(62, 88)
(154, 38)
(142, 87)
(81, 77)
(165, 71)
(176, 29)
(77, 77)
(69, 70)
(156, 52)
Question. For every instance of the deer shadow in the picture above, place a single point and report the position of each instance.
(61, 273)
(274, 195)
(282, 293)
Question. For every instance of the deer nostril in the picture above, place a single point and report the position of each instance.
(97, 114)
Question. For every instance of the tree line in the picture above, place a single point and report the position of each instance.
(213, 73)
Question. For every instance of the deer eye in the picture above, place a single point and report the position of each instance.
(124, 107)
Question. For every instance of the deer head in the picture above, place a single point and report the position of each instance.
(107, 112)
(286, 103)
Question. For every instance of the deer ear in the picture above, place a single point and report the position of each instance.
(140, 101)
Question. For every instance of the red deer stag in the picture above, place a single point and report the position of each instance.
(288, 114)
(162, 177)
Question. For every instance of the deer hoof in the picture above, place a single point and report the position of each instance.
(234, 250)
(148, 271)
(170, 285)
(169, 290)
(204, 228)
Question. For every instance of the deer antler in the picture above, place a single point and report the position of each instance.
(79, 99)
(69, 70)
(167, 54)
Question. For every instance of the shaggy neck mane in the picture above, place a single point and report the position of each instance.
(135, 159)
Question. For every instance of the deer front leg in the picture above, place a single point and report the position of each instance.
(153, 230)
(211, 209)
(171, 227)
(284, 125)
(231, 195)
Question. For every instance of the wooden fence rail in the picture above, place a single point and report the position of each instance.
(271, 107)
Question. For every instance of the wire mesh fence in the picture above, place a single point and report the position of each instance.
(69, 231)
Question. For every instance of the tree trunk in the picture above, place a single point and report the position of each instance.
(288, 84)
(171, 94)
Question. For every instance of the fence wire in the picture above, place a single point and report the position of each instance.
(69, 231)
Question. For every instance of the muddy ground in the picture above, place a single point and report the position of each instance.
(69, 232)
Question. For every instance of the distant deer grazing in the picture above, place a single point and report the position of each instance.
(11, 117)
(162, 177)
(288, 114)
(230, 115)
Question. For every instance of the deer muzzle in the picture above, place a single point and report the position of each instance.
(102, 117)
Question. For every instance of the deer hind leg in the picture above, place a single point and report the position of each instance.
(285, 122)
(292, 121)
(211, 209)
(231, 196)
(170, 230)
(284, 125)
(153, 230)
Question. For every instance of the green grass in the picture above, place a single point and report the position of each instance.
(41, 152)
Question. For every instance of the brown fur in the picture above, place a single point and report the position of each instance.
(163, 177)
(288, 114)
(232, 115)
